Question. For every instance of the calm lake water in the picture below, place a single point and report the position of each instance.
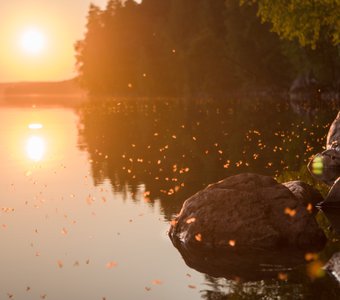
(87, 195)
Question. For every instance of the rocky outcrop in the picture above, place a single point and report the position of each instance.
(325, 166)
(333, 266)
(333, 198)
(249, 210)
(333, 136)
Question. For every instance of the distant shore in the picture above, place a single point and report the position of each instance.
(65, 93)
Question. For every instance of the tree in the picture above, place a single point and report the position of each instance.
(205, 48)
(304, 20)
(255, 53)
(88, 49)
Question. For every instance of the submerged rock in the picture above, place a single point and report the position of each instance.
(249, 210)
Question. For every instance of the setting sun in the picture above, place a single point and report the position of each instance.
(33, 41)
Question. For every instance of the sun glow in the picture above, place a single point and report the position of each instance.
(33, 41)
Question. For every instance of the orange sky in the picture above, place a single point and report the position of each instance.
(62, 22)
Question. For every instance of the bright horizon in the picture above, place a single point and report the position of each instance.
(37, 38)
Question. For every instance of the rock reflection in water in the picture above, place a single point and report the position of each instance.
(333, 264)
(245, 265)
(259, 274)
(333, 216)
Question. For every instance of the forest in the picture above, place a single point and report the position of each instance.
(208, 49)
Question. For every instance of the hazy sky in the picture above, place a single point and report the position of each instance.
(59, 24)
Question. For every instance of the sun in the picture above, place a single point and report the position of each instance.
(35, 148)
(33, 41)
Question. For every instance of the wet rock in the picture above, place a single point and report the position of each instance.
(333, 198)
(249, 210)
(304, 192)
(333, 266)
(333, 137)
(325, 166)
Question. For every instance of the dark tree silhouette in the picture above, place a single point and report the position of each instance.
(192, 48)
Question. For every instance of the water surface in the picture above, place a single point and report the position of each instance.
(87, 195)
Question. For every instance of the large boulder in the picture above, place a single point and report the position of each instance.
(250, 210)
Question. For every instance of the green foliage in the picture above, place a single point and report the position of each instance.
(308, 21)
(310, 30)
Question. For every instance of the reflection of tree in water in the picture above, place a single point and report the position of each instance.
(175, 148)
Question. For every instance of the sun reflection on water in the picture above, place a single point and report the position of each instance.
(35, 148)
(35, 126)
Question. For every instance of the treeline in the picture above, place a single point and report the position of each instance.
(196, 48)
